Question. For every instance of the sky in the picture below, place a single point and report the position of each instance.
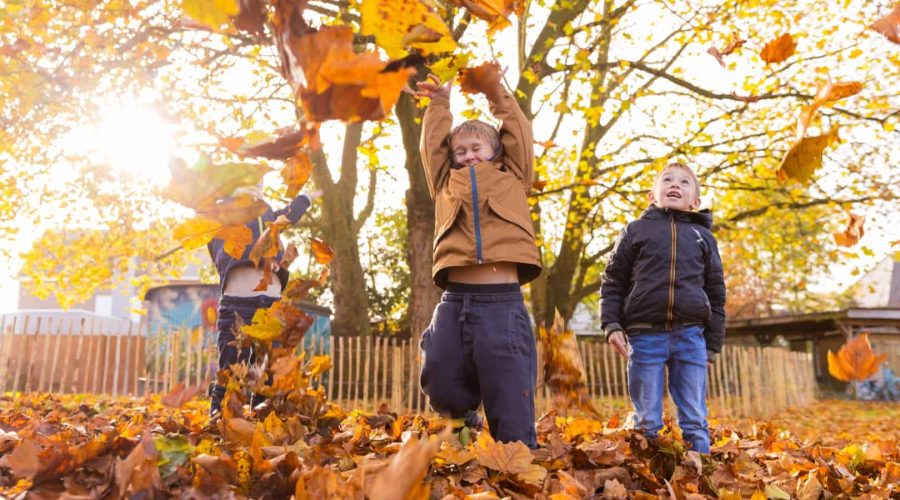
(145, 155)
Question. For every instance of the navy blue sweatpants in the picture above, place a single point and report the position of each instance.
(480, 348)
(229, 354)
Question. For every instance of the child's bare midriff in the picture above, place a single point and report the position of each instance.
(242, 282)
(485, 274)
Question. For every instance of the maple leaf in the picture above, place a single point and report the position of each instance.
(269, 243)
(889, 25)
(296, 172)
(484, 79)
(734, 42)
(397, 24)
(805, 157)
(235, 239)
(211, 13)
(563, 368)
(495, 12)
(407, 468)
(854, 361)
(509, 458)
(179, 395)
(854, 232)
(196, 232)
(322, 251)
(779, 49)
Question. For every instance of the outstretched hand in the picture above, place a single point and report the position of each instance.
(432, 87)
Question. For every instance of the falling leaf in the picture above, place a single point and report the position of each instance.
(563, 368)
(833, 91)
(323, 277)
(236, 210)
(211, 13)
(295, 173)
(265, 325)
(853, 233)
(397, 24)
(484, 78)
(235, 240)
(319, 365)
(495, 12)
(322, 251)
(734, 42)
(199, 187)
(779, 49)
(447, 67)
(252, 16)
(285, 145)
(407, 468)
(195, 233)
(805, 157)
(268, 244)
(889, 25)
(855, 360)
(539, 185)
(179, 395)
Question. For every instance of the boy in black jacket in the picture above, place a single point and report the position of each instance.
(664, 289)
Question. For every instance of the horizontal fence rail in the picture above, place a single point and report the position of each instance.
(367, 372)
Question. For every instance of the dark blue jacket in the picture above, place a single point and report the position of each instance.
(225, 262)
(665, 273)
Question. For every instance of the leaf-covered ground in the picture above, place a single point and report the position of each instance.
(87, 447)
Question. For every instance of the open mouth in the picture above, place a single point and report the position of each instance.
(673, 195)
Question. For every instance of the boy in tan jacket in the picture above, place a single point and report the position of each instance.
(480, 344)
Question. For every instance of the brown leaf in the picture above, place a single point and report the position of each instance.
(734, 43)
(138, 472)
(235, 239)
(563, 368)
(269, 243)
(321, 483)
(24, 460)
(834, 91)
(179, 395)
(889, 25)
(805, 157)
(407, 468)
(614, 489)
(495, 12)
(779, 49)
(509, 458)
(252, 17)
(238, 430)
(295, 173)
(484, 79)
(322, 251)
(236, 210)
(853, 233)
(855, 360)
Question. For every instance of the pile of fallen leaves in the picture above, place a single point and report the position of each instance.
(88, 447)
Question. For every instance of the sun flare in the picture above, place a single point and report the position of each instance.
(135, 141)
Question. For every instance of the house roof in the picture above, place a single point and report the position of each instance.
(816, 324)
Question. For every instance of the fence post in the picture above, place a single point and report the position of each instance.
(5, 348)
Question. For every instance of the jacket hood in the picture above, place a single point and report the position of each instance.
(703, 217)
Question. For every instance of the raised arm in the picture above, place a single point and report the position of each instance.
(296, 208)
(435, 144)
(516, 135)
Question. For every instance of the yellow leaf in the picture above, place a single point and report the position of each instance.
(236, 239)
(196, 232)
(397, 24)
(853, 233)
(211, 13)
(265, 326)
(805, 157)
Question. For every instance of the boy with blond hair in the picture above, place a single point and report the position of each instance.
(480, 345)
(663, 304)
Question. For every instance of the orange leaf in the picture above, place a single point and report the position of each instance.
(495, 12)
(563, 368)
(407, 468)
(324, 483)
(323, 277)
(236, 239)
(483, 79)
(853, 233)
(539, 185)
(296, 172)
(269, 243)
(509, 458)
(833, 91)
(855, 360)
(889, 25)
(805, 157)
(196, 232)
(322, 251)
(179, 395)
(779, 49)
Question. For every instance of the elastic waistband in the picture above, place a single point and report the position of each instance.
(258, 300)
(500, 292)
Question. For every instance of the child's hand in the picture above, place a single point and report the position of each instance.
(617, 340)
(290, 253)
(432, 87)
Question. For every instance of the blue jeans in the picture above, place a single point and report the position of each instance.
(683, 352)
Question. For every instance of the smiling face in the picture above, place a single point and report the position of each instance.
(471, 149)
(676, 188)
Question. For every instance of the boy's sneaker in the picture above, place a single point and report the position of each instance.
(474, 421)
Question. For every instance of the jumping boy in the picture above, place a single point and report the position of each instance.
(238, 280)
(480, 346)
(663, 289)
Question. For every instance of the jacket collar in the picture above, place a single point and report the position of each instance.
(703, 217)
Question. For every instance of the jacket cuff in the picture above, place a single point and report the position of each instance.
(611, 328)
(711, 356)
(439, 100)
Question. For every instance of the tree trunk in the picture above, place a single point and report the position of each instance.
(340, 230)
(424, 295)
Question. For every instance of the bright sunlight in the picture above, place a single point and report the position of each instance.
(133, 141)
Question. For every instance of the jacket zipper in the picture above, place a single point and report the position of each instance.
(475, 212)
(670, 314)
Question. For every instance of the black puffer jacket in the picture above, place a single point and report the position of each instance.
(665, 273)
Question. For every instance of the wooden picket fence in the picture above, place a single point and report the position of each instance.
(366, 371)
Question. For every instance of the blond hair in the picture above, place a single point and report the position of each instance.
(477, 128)
(687, 169)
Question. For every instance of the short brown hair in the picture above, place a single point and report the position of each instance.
(477, 127)
(687, 169)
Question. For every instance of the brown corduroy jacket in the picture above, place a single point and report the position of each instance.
(481, 212)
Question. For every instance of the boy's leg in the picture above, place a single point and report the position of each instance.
(228, 352)
(647, 354)
(448, 376)
(506, 356)
(687, 385)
